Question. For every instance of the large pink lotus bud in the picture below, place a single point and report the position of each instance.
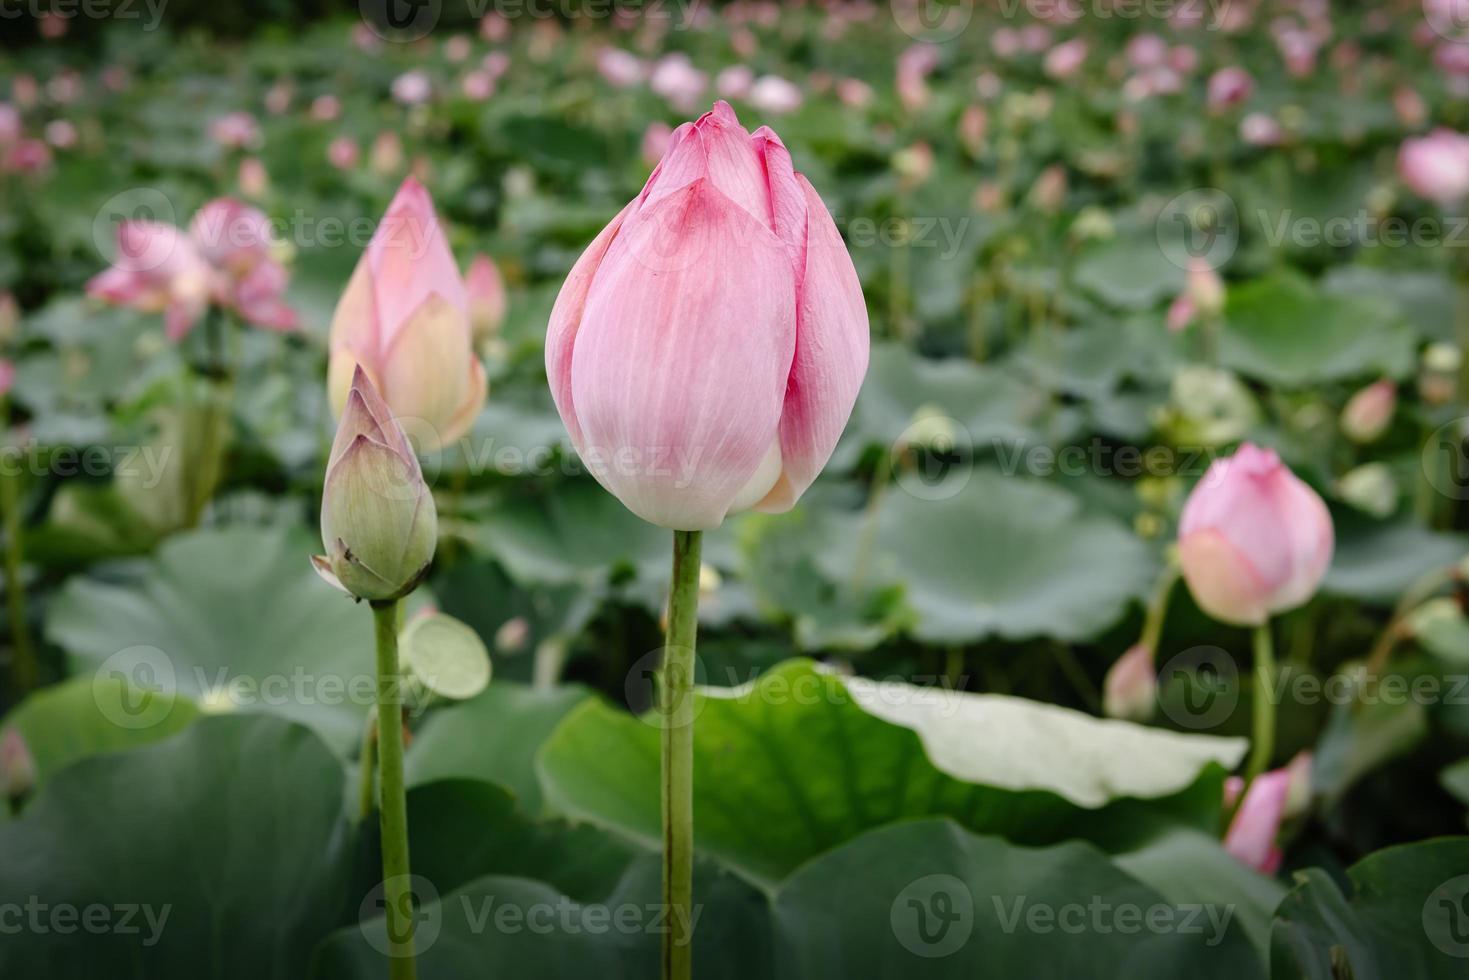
(1253, 539)
(1252, 832)
(486, 289)
(378, 521)
(158, 269)
(405, 320)
(707, 347)
(1436, 166)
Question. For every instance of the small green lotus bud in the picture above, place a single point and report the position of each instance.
(1370, 488)
(378, 521)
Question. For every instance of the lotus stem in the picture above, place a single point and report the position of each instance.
(676, 706)
(393, 809)
(1263, 747)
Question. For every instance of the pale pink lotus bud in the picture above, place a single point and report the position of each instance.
(7, 376)
(253, 178)
(914, 66)
(52, 25)
(17, 765)
(412, 88)
(158, 269)
(1048, 192)
(236, 131)
(65, 87)
(1146, 51)
(1228, 87)
(26, 91)
(278, 98)
(1005, 42)
(404, 319)
(1065, 59)
(343, 153)
(1452, 58)
(239, 242)
(676, 79)
(854, 92)
(387, 154)
(28, 156)
(1184, 59)
(486, 290)
(1181, 313)
(457, 48)
(706, 349)
(1369, 412)
(655, 141)
(775, 95)
(512, 634)
(494, 26)
(1253, 539)
(496, 63)
(378, 521)
(1035, 38)
(973, 124)
(1252, 832)
(620, 68)
(326, 108)
(734, 82)
(1260, 129)
(1436, 166)
(1409, 106)
(11, 126)
(61, 133)
(1130, 689)
(478, 85)
(1205, 288)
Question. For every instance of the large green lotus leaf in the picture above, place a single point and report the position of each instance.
(493, 736)
(801, 760)
(1285, 331)
(92, 715)
(920, 899)
(1130, 273)
(1424, 298)
(1405, 914)
(1008, 557)
(236, 610)
(233, 829)
(1377, 562)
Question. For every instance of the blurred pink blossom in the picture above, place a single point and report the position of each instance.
(326, 108)
(457, 48)
(278, 98)
(854, 92)
(620, 68)
(734, 82)
(253, 178)
(478, 85)
(1065, 59)
(655, 141)
(676, 79)
(1146, 51)
(235, 130)
(1436, 166)
(343, 153)
(1260, 129)
(10, 124)
(775, 95)
(412, 88)
(1228, 87)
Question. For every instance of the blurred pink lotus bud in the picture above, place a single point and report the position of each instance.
(412, 88)
(65, 87)
(744, 42)
(378, 521)
(1181, 312)
(17, 765)
(61, 133)
(28, 156)
(987, 85)
(1005, 42)
(10, 124)
(775, 95)
(914, 66)
(7, 376)
(1408, 104)
(854, 92)
(494, 26)
(253, 179)
(486, 290)
(620, 68)
(1369, 412)
(706, 349)
(26, 91)
(1205, 288)
(1183, 59)
(52, 25)
(973, 124)
(237, 131)
(655, 141)
(512, 634)
(1228, 87)
(9, 317)
(157, 269)
(1436, 166)
(343, 153)
(1452, 58)
(676, 79)
(1130, 689)
(734, 82)
(457, 48)
(387, 154)
(404, 319)
(1298, 50)
(326, 108)
(278, 98)
(365, 38)
(238, 242)
(1035, 38)
(1253, 539)
(1146, 51)
(1048, 192)
(1065, 59)
(478, 85)
(1252, 832)
(1259, 129)
(496, 63)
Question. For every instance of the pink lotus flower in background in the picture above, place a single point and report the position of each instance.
(1228, 87)
(1183, 59)
(236, 131)
(238, 241)
(915, 64)
(775, 96)
(1181, 313)
(620, 68)
(854, 92)
(1146, 51)
(61, 133)
(458, 48)
(7, 376)
(26, 91)
(706, 349)
(734, 82)
(973, 124)
(387, 154)
(405, 320)
(1253, 539)
(494, 26)
(1065, 59)
(326, 108)
(1369, 412)
(1252, 832)
(343, 153)
(1259, 129)
(676, 79)
(655, 141)
(486, 290)
(1130, 689)
(496, 64)
(478, 85)
(1408, 105)
(1436, 166)
(1035, 38)
(1005, 42)
(11, 125)
(17, 765)
(253, 178)
(27, 156)
(278, 98)
(158, 269)
(412, 88)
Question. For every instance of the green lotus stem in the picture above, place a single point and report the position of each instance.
(368, 761)
(1158, 608)
(393, 810)
(23, 663)
(1263, 747)
(676, 706)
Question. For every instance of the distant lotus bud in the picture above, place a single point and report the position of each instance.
(620, 68)
(253, 178)
(1048, 192)
(1436, 166)
(486, 290)
(512, 634)
(676, 79)
(325, 108)
(1408, 104)
(1181, 313)
(378, 521)
(716, 325)
(1228, 87)
(1369, 412)
(387, 154)
(412, 88)
(655, 141)
(9, 317)
(1260, 129)
(1438, 379)
(1253, 539)
(973, 124)
(775, 96)
(1130, 690)
(236, 131)
(1252, 832)
(734, 82)
(854, 92)
(1370, 488)
(343, 153)
(1065, 59)
(17, 766)
(404, 319)
(158, 269)
(1146, 51)
(1204, 286)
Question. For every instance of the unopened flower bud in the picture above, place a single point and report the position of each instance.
(17, 766)
(1130, 690)
(1368, 413)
